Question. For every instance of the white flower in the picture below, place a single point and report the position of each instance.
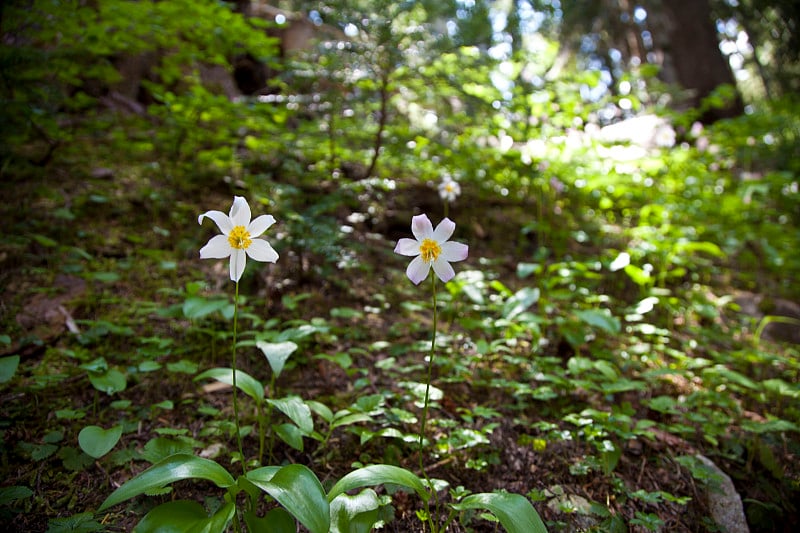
(432, 249)
(449, 189)
(239, 237)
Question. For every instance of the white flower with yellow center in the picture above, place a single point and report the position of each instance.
(449, 189)
(432, 249)
(239, 237)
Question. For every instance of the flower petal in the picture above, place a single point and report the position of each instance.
(407, 247)
(260, 225)
(217, 248)
(240, 212)
(261, 250)
(443, 270)
(421, 227)
(418, 270)
(454, 251)
(238, 262)
(221, 219)
(444, 230)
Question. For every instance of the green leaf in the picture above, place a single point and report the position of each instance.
(82, 522)
(74, 459)
(198, 307)
(369, 476)
(169, 470)
(277, 353)
(599, 319)
(244, 382)
(347, 419)
(14, 493)
(291, 435)
(520, 301)
(96, 441)
(110, 382)
(297, 410)
(185, 516)
(299, 491)
(160, 448)
(8, 367)
(354, 514)
(515, 512)
(39, 452)
(778, 386)
(276, 520)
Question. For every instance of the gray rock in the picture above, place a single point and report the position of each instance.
(724, 502)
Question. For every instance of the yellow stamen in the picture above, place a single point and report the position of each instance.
(239, 238)
(430, 250)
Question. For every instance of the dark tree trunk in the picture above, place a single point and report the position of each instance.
(694, 60)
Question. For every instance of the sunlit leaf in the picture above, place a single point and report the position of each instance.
(515, 512)
(520, 301)
(297, 410)
(277, 353)
(299, 491)
(601, 319)
(244, 382)
(370, 476)
(354, 514)
(169, 470)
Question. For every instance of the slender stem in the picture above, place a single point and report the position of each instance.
(233, 367)
(446, 209)
(426, 405)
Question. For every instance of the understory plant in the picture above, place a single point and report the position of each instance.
(297, 491)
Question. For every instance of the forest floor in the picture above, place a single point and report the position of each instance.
(105, 266)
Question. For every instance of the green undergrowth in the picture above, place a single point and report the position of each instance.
(623, 311)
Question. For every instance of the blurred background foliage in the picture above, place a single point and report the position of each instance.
(517, 99)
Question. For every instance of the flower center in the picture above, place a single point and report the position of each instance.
(239, 238)
(450, 187)
(430, 250)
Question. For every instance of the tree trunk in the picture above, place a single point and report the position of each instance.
(694, 60)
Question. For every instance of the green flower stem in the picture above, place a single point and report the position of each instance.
(233, 366)
(425, 411)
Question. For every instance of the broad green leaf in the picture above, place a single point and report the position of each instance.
(96, 441)
(515, 512)
(185, 516)
(8, 367)
(169, 470)
(297, 411)
(291, 435)
(599, 319)
(299, 491)
(354, 514)
(277, 353)
(321, 409)
(369, 476)
(244, 382)
(110, 382)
